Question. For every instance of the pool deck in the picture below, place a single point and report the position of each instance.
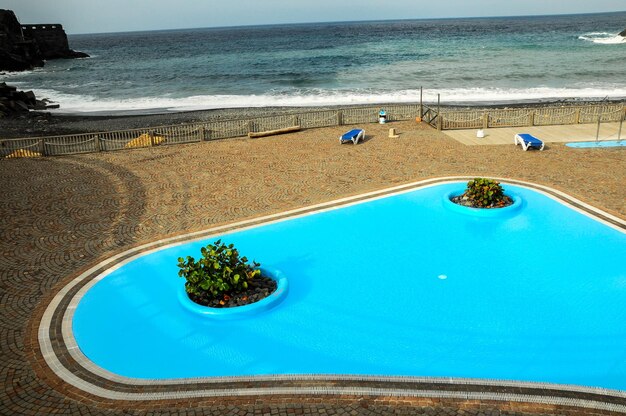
(548, 134)
(61, 216)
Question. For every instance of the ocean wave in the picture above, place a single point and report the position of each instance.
(8, 76)
(318, 97)
(603, 38)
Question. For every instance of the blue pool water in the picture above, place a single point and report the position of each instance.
(605, 143)
(395, 286)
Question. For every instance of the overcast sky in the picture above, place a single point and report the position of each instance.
(97, 16)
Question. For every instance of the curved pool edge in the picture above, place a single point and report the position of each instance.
(63, 357)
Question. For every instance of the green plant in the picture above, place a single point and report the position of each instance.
(218, 272)
(485, 193)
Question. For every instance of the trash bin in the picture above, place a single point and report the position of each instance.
(382, 116)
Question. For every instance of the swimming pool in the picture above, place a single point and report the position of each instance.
(598, 144)
(401, 285)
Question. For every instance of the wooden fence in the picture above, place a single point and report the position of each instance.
(519, 117)
(212, 130)
(222, 129)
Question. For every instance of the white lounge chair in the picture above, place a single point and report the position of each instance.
(352, 136)
(528, 141)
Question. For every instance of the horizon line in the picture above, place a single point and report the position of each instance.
(340, 21)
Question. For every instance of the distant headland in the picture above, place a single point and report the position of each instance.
(24, 47)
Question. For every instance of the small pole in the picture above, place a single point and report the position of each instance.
(438, 103)
(598, 129)
(421, 104)
(600, 110)
(438, 111)
(619, 131)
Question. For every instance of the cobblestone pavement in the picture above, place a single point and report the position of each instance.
(60, 215)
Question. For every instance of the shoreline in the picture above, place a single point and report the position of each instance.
(45, 123)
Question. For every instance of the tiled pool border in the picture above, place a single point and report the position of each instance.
(62, 356)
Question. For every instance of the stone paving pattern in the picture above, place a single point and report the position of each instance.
(60, 215)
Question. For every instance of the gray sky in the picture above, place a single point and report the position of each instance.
(95, 16)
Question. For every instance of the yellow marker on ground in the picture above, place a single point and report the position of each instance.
(145, 140)
(23, 153)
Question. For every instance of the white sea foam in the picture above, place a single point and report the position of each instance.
(603, 38)
(91, 104)
(8, 76)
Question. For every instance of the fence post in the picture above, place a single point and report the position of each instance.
(202, 131)
(421, 104)
(295, 120)
(439, 122)
(97, 143)
(151, 135)
(339, 118)
(485, 120)
(250, 126)
(577, 116)
(42, 147)
(531, 118)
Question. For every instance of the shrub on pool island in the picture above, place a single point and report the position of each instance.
(483, 193)
(218, 275)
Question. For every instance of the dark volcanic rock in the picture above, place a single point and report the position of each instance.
(24, 47)
(16, 52)
(52, 41)
(464, 201)
(623, 33)
(258, 288)
(14, 102)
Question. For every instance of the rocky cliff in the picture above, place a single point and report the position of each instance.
(24, 47)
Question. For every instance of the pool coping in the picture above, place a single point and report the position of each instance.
(63, 357)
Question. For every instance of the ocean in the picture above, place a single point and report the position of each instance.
(466, 61)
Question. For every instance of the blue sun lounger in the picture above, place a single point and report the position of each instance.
(352, 136)
(527, 141)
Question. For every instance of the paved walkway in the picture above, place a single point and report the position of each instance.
(549, 134)
(60, 216)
